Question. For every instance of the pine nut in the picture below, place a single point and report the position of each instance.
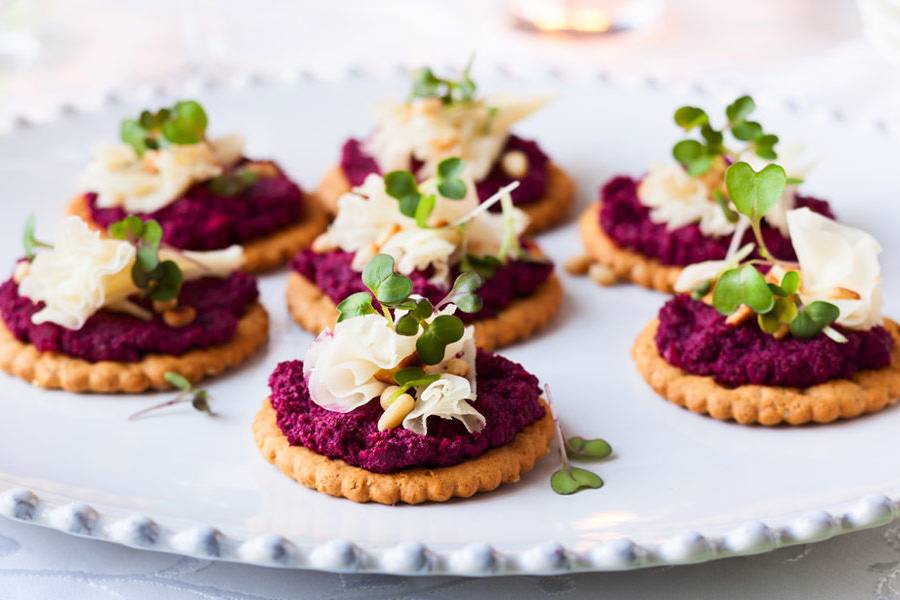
(743, 313)
(162, 306)
(180, 317)
(457, 366)
(840, 293)
(601, 274)
(515, 164)
(395, 413)
(386, 395)
(579, 265)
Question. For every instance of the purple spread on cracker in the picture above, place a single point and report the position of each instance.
(507, 397)
(203, 220)
(694, 337)
(627, 222)
(107, 335)
(357, 164)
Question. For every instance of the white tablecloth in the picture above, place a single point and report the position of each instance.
(58, 51)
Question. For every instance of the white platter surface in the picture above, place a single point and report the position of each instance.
(680, 487)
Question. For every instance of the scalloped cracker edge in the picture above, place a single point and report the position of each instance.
(626, 264)
(504, 464)
(545, 213)
(314, 311)
(262, 254)
(866, 392)
(53, 370)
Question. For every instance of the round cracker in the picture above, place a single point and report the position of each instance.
(53, 370)
(626, 264)
(504, 464)
(314, 311)
(543, 213)
(866, 392)
(261, 254)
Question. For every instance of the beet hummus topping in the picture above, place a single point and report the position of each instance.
(443, 118)
(772, 322)
(682, 213)
(201, 190)
(398, 381)
(121, 297)
(434, 230)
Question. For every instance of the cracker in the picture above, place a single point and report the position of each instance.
(261, 254)
(314, 311)
(53, 370)
(544, 213)
(866, 392)
(504, 464)
(626, 264)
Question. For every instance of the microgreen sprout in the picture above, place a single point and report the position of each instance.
(184, 123)
(199, 398)
(425, 84)
(393, 292)
(698, 156)
(776, 304)
(159, 280)
(29, 242)
(568, 479)
(418, 205)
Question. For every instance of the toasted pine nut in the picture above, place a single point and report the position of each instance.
(395, 413)
(515, 164)
(840, 293)
(579, 265)
(389, 391)
(446, 142)
(161, 306)
(601, 274)
(386, 234)
(739, 316)
(457, 366)
(180, 317)
(781, 332)
(387, 375)
(427, 106)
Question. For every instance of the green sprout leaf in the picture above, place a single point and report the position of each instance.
(377, 270)
(178, 380)
(688, 117)
(692, 156)
(408, 324)
(783, 312)
(730, 215)
(402, 186)
(186, 123)
(569, 480)
(742, 285)
(30, 243)
(425, 84)
(583, 448)
(754, 194)
(443, 330)
(790, 283)
(454, 189)
(423, 308)
(747, 131)
(394, 289)
(740, 109)
(233, 184)
(167, 276)
(463, 293)
(449, 184)
(355, 305)
(424, 209)
(135, 135)
(414, 377)
(813, 318)
(485, 265)
(765, 146)
(450, 168)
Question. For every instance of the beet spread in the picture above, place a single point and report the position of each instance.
(507, 397)
(357, 164)
(694, 337)
(202, 220)
(107, 335)
(331, 272)
(627, 222)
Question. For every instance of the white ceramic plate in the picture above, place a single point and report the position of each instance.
(680, 487)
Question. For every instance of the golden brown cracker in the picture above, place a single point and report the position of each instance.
(504, 464)
(866, 392)
(53, 370)
(626, 264)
